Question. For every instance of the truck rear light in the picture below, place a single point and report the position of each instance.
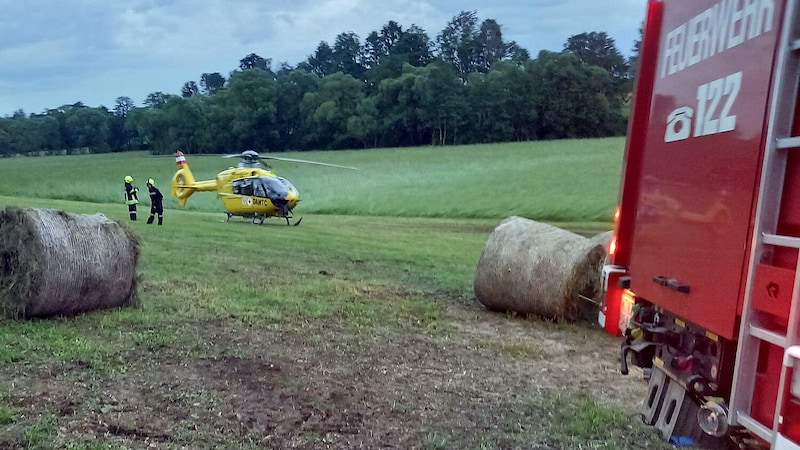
(608, 316)
(612, 245)
(627, 301)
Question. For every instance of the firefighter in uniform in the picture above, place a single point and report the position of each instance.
(156, 206)
(131, 196)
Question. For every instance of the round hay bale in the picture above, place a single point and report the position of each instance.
(54, 263)
(534, 268)
(604, 240)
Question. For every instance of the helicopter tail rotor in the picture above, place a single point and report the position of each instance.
(182, 185)
(183, 182)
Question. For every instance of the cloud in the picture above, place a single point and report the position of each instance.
(55, 52)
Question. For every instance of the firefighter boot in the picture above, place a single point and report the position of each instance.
(160, 218)
(150, 219)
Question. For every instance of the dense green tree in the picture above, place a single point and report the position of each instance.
(348, 54)
(327, 111)
(253, 61)
(211, 82)
(488, 118)
(251, 97)
(379, 45)
(414, 46)
(491, 45)
(149, 124)
(501, 105)
(177, 125)
(7, 143)
(598, 49)
(50, 130)
(373, 50)
(189, 89)
(442, 102)
(571, 98)
(293, 85)
(217, 135)
(391, 33)
(120, 135)
(122, 106)
(185, 122)
(457, 44)
(519, 55)
(399, 105)
(40, 133)
(87, 128)
(518, 89)
(156, 99)
(323, 62)
(472, 48)
(633, 61)
(363, 125)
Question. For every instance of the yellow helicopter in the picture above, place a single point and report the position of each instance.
(247, 190)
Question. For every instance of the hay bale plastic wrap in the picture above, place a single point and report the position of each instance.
(533, 268)
(54, 263)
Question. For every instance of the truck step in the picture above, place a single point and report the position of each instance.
(770, 336)
(790, 142)
(755, 427)
(781, 241)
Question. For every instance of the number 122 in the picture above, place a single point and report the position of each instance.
(709, 96)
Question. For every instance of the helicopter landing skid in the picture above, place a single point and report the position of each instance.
(291, 217)
(258, 219)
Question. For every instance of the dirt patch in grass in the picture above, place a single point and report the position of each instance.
(488, 381)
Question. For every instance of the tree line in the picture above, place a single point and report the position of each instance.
(396, 88)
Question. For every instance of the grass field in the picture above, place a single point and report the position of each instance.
(563, 181)
(357, 329)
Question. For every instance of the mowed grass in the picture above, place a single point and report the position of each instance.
(557, 181)
(376, 249)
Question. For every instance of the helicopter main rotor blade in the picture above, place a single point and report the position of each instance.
(308, 162)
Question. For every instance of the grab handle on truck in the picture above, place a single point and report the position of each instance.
(672, 283)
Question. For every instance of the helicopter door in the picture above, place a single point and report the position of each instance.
(258, 188)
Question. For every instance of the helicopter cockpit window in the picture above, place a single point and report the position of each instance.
(258, 188)
(275, 187)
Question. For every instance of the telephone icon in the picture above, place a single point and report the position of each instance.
(679, 124)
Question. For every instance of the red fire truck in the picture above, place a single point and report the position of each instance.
(703, 281)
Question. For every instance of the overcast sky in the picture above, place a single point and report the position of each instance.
(57, 52)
